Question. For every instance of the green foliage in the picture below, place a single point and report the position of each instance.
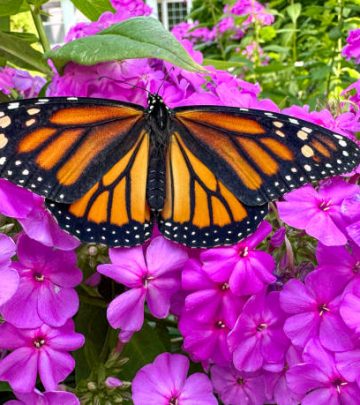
(298, 59)
(92, 9)
(9, 7)
(140, 37)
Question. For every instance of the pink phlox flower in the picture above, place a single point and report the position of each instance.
(350, 209)
(44, 398)
(42, 351)
(207, 298)
(257, 338)
(354, 96)
(165, 381)
(225, 24)
(255, 11)
(352, 49)
(348, 363)
(313, 308)
(20, 80)
(247, 269)
(276, 388)
(46, 290)
(318, 379)
(319, 212)
(235, 387)
(152, 277)
(350, 305)
(9, 276)
(341, 260)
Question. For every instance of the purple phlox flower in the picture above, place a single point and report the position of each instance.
(352, 49)
(255, 11)
(257, 338)
(225, 24)
(152, 277)
(278, 237)
(165, 381)
(235, 387)
(350, 305)
(46, 290)
(44, 398)
(42, 351)
(313, 308)
(319, 212)
(206, 298)
(206, 339)
(248, 270)
(20, 80)
(113, 382)
(276, 388)
(9, 276)
(354, 96)
(348, 363)
(350, 208)
(318, 379)
(341, 260)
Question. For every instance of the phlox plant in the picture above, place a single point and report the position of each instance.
(273, 319)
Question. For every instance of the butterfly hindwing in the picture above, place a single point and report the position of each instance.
(260, 155)
(114, 211)
(199, 210)
(60, 147)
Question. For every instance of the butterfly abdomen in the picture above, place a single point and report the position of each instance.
(155, 191)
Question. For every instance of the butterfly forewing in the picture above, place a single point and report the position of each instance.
(199, 210)
(114, 211)
(60, 147)
(260, 155)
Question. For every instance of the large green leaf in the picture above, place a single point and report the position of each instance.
(9, 7)
(92, 9)
(139, 37)
(20, 53)
(142, 349)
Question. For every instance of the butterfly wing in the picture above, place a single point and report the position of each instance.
(114, 211)
(199, 210)
(60, 147)
(261, 155)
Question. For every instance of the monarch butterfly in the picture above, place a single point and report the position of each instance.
(205, 174)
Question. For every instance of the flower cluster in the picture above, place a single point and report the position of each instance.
(352, 49)
(20, 82)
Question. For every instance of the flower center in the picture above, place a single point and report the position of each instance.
(240, 381)
(220, 325)
(39, 342)
(224, 286)
(146, 279)
(173, 401)
(39, 277)
(339, 384)
(322, 309)
(325, 205)
(244, 252)
(261, 327)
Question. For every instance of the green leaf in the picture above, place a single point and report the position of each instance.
(294, 11)
(4, 98)
(91, 322)
(4, 386)
(139, 37)
(227, 64)
(25, 36)
(92, 9)
(9, 7)
(20, 53)
(142, 349)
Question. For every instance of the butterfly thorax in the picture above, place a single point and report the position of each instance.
(159, 121)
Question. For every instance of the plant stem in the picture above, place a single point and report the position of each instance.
(35, 12)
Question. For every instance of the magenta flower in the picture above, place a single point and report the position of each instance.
(313, 308)
(254, 10)
(348, 364)
(42, 351)
(44, 398)
(248, 270)
(352, 49)
(164, 382)
(319, 381)
(350, 306)
(46, 291)
(235, 387)
(207, 298)
(276, 388)
(20, 80)
(257, 338)
(152, 277)
(9, 276)
(345, 262)
(206, 340)
(319, 212)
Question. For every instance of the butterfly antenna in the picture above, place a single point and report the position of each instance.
(125, 82)
(164, 79)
